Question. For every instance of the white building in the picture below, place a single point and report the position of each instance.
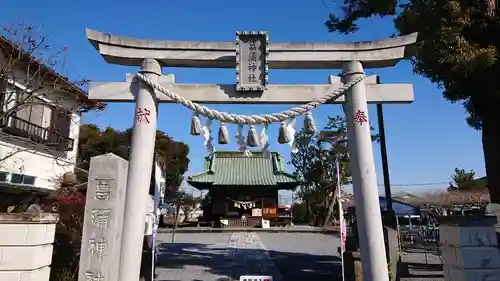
(160, 182)
(38, 128)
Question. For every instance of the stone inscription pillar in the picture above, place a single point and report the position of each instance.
(139, 173)
(103, 220)
(364, 180)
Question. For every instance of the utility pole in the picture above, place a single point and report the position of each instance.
(383, 156)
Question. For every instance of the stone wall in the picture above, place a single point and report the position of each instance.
(469, 248)
(26, 246)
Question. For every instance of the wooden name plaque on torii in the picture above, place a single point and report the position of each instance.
(251, 61)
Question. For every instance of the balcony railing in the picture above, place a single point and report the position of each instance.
(20, 127)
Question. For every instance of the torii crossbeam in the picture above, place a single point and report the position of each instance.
(276, 94)
(132, 51)
(251, 55)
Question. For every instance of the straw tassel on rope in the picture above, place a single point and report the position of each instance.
(195, 125)
(309, 124)
(286, 132)
(291, 135)
(253, 137)
(240, 140)
(283, 135)
(223, 134)
(264, 141)
(207, 134)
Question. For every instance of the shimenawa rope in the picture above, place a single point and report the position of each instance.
(251, 119)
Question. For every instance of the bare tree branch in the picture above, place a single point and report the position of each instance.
(36, 101)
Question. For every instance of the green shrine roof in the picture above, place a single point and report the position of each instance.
(226, 168)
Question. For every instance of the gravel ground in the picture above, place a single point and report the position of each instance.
(226, 256)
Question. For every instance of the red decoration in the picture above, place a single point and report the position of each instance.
(142, 115)
(360, 117)
(70, 198)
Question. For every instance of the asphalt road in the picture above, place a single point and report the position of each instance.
(227, 256)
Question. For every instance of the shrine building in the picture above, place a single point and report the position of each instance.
(243, 190)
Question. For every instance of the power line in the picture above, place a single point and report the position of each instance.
(418, 184)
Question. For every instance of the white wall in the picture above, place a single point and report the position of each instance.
(160, 181)
(46, 167)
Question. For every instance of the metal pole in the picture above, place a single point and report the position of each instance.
(364, 180)
(156, 195)
(383, 155)
(139, 174)
(155, 210)
(155, 220)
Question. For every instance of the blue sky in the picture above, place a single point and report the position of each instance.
(426, 140)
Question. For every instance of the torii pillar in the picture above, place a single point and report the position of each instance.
(350, 57)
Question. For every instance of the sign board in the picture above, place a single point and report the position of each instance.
(257, 212)
(256, 278)
(251, 61)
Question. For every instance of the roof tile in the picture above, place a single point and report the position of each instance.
(233, 168)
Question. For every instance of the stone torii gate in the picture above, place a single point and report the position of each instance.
(252, 88)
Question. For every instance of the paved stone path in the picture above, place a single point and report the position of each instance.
(226, 256)
(250, 256)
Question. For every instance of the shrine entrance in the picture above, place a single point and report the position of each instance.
(251, 56)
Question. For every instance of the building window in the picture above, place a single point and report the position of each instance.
(36, 119)
(34, 110)
(22, 179)
(29, 180)
(16, 178)
(3, 176)
(61, 122)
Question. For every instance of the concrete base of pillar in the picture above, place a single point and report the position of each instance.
(353, 270)
(391, 244)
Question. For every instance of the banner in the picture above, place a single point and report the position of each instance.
(343, 226)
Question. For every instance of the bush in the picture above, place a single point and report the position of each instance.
(68, 237)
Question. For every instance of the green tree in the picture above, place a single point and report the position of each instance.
(315, 165)
(171, 155)
(458, 49)
(463, 180)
